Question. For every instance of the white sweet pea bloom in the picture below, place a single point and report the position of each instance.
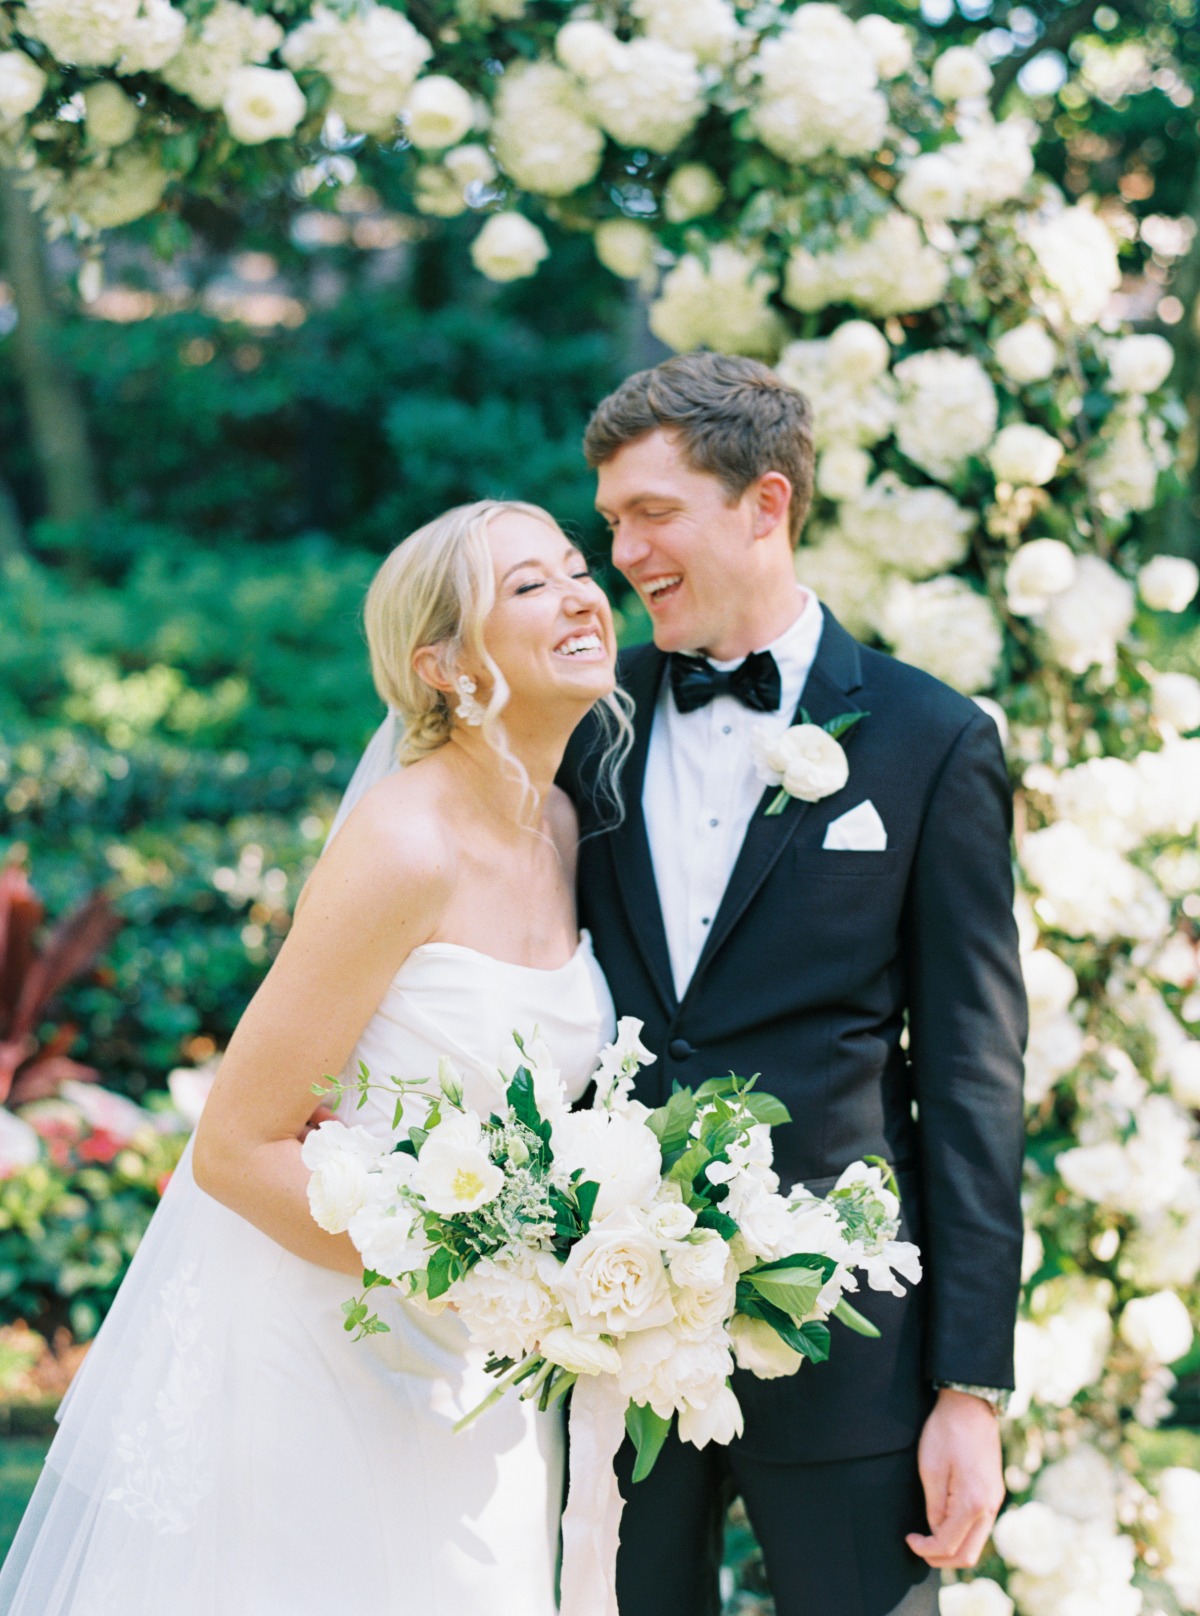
(110, 116)
(1157, 1327)
(899, 1259)
(719, 1420)
(1176, 701)
(454, 1172)
(508, 248)
(626, 247)
(805, 760)
(614, 1280)
(437, 113)
(758, 1347)
(580, 1354)
(1024, 455)
(979, 1597)
(615, 1151)
(1039, 570)
(1168, 583)
(1027, 353)
(888, 43)
(1139, 364)
(21, 84)
(262, 103)
(692, 192)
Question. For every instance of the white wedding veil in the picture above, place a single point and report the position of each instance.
(377, 762)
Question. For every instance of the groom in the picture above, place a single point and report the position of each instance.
(859, 952)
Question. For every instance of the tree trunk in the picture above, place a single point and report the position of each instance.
(12, 538)
(57, 426)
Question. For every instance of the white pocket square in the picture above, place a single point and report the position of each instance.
(859, 831)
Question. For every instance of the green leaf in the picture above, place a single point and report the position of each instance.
(693, 1162)
(585, 1198)
(647, 1431)
(672, 1123)
(795, 1291)
(521, 1097)
(405, 1147)
(838, 726)
(398, 1113)
(766, 1108)
(441, 1273)
(713, 1218)
(417, 1137)
(853, 1320)
(814, 1341)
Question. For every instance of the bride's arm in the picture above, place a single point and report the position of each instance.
(373, 897)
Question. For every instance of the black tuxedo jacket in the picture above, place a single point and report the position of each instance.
(879, 994)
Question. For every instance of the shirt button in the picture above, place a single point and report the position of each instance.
(704, 919)
(727, 729)
(714, 823)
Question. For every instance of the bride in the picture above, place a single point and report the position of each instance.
(226, 1449)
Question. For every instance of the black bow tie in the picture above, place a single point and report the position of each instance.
(754, 682)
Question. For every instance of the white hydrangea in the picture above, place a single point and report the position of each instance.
(1157, 1327)
(818, 88)
(1088, 890)
(844, 579)
(228, 37)
(960, 73)
(1103, 796)
(707, 28)
(1067, 1568)
(651, 96)
(933, 187)
(946, 410)
(1082, 1486)
(853, 399)
(1139, 364)
(1024, 455)
(1078, 258)
(543, 134)
(1170, 782)
(21, 84)
(843, 472)
(1174, 1532)
(979, 1597)
(153, 37)
(890, 270)
(509, 247)
(1063, 1348)
(86, 33)
(1124, 476)
(262, 103)
(1176, 701)
(587, 48)
(1145, 1174)
(104, 197)
(964, 180)
(1027, 353)
(724, 304)
(915, 531)
(1038, 570)
(371, 58)
(946, 628)
(437, 113)
(1168, 583)
(888, 43)
(1055, 1047)
(110, 116)
(626, 247)
(1165, 1251)
(692, 191)
(1083, 624)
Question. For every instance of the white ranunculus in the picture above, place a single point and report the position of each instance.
(509, 247)
(1050, 984)
(1139, 364)
(651, 97)
(580, 1354)
(389, 1238)
(615, 1151)
(961, 74)
(945, 627)
(1078, 257)
(510, 1302)
(843, 473)
(1027, 353)
(1173, 1530)
(85, 33)
(719, 1420)
(151, 40)
(542, 131)
(692, 192)
(454, 1172)
(805, 760)
(586, 48)
(817, 88)
(1031, 1538)
(438, 112)
(707, 28)
(614, 1280)
(227, 38)
(1158, 1327)
(110, 116)
(626, 247)
(758, 1347)
(1025, 455)
(370, 56)
(470, 165)
(1083, 625)
(721, 301)
(1168, 583)
(888, 43)
(979, 1597)
(262, 103)
(1082, 1486)
(1176, 701)
(21, 84)
(857, 352)
(947, 410)
(933, 188)
(1038, 570)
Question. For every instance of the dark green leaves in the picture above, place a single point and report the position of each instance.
(647, 1431)
(853, 1320)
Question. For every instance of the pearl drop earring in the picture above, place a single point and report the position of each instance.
(468, 709)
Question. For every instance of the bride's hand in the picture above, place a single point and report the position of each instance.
(320, 1115)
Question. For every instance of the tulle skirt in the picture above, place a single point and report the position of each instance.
(227, 1450)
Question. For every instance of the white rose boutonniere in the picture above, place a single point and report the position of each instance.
(806, 761)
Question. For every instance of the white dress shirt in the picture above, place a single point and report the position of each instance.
(701, 790)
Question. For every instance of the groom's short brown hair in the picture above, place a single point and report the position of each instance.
(733, 417)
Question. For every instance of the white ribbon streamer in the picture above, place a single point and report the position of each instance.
(591, 1525)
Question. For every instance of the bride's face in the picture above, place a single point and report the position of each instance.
(550, 631)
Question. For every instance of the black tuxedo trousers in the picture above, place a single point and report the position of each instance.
(879, 995)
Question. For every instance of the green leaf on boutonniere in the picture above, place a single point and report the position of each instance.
(838, 726)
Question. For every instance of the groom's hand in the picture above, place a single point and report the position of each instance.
(962, 1473)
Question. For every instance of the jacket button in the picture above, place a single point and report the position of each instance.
(679, 1049)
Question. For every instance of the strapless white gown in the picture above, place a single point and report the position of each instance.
(227, 1450)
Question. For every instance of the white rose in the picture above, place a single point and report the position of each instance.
(1176, 701)
(701, 1262)
(227, 37)
(759, 1348)
(1050, 983)
(692, 191)
(262, 103)
(933, 187)
(1025, 455)
(626, 247)
(614, 1280)
(508, 248)
(1168, 583)
(1139, 364)
(844, 473)
(110, 117)
(719, 1420)
(580, 1354)
(438, 112)
(960, 73)
(1158, 1327)
(1027, 353)
(470, 165)
(587, 49)
(21, 84)
(858, 351)
(1039, 569)
(979, 1597)
(805, 760)
(888, 43)
(388, 1238)
(454, 1172)
(1084, 623)
(1032, 1538)
(615, 1151)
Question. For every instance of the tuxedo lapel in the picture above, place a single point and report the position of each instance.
(835, 674)
(629, 843)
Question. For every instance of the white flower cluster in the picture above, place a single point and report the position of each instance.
(947, 410)
(1078, 260)
(371, 57)
(891, 269)
(134, 36)
(945, 627)
(644, 92)
(723, 303)
(543, 134)
(818, 88)
(845, 378)
(1062, 1564)
(966, 178)
(916, 532)
(225, 40)
(709, 29)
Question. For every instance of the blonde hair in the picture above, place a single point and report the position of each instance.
(436, 589)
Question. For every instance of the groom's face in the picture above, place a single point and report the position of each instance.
(679, 540)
